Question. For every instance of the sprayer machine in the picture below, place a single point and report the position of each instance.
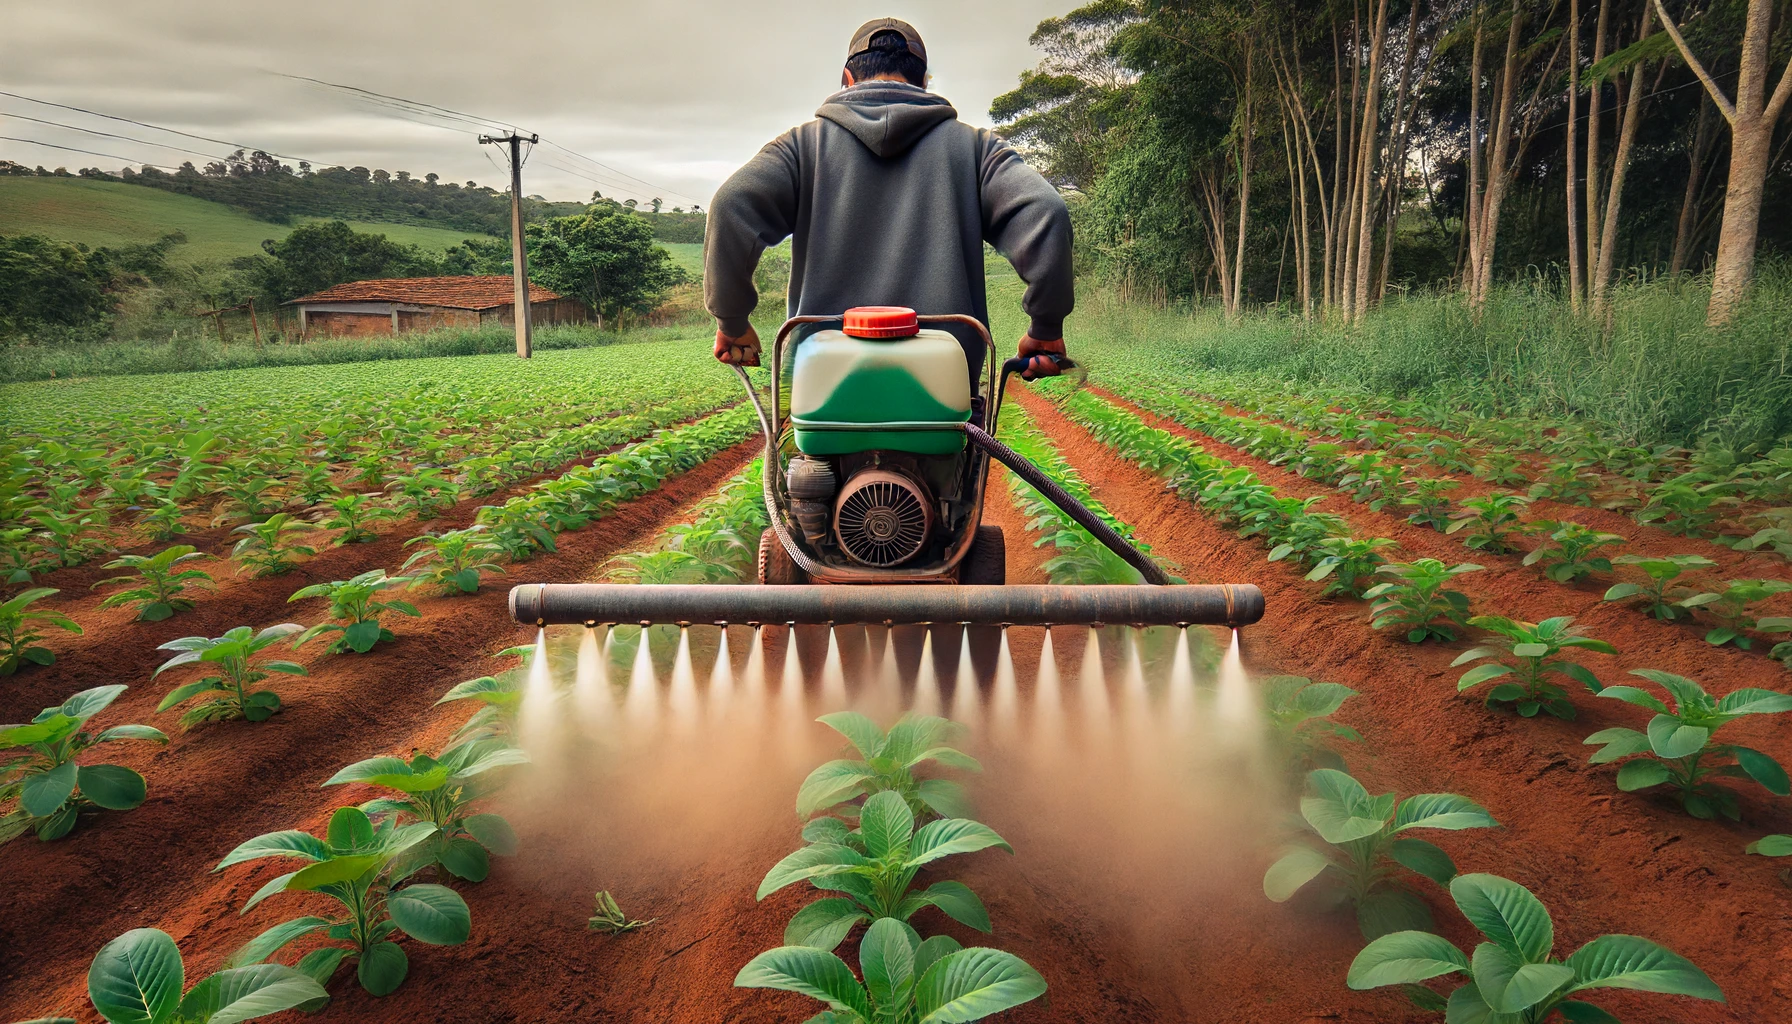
(875, 479)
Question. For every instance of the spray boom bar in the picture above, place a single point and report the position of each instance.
(550, 604)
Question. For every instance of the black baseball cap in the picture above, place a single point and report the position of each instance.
(861, 40)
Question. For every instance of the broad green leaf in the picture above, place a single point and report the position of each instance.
(361, 636)
(955, 900)
(1465, 1006)
(932, 950)
(503, 757)
(1771, 846)
(287, 843)
(948, 756)
(972, 984)
(1511, 985)
(944, 797)
(434, 914)
(1670, 738)
(817, 858)
(383, 968)
(465, 858)
(1763, 769)
(831, 783)
(1626, 961)
(373, 767)
(51, 729)
(42, 793)
(1576, 1012)
(273, 886)
(825, 830)
(493, 833)
(1480, 674)
(1641, 774)
(274, 939)
(915, 733)
(1392, 908)
(87, 703)
(1334, 821)
(329, 872)
(1316, 700)
(1424, 858)
(823, 924)
(245, 993)
(1619, 742)
(137, 978)
(486, 690)
(812, 972)
(1505, 912)
(887, 960)
(1404, 958)
(886, 823)
(1295, 868)
(1634, 695)
(349, 829)
(949, 836)
(1530, 650)
(320, 964)
(114, 787)
(861, 731)
(1753, 701)
(186, 692)
(1441, 810)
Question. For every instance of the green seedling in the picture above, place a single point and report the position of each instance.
(70, 538)
(1662, 571)
(1492, 516)
(451, 561)
(1417, 600)
(1515, 977)
(265, 548)
(1366, 850)
(499, 697)
(442, 792)
(18, 556)
(21, 626)
(159, 582)
(1569, 550)
(1570, 481)
(887, 762)
(936, 981)
(1733, 608)
(1349, 565)
(354, 515)
(610, 919)
(138, 978)
(1687, 507)
(1526, 652)
(162, 520)
(1430, 502)
(363, 867)
(1299, 531)
(315, 484)
(1299, 712)
(356, 602)
(1771, 846)
(230, 693)
(874, 865)
(40, 777)
(1678, 749)
(424, 492)
(248, 494)
(1500, 468)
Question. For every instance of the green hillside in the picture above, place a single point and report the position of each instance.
(113, 213)
(688, 255)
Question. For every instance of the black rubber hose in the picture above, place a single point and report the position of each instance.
(1058, 496)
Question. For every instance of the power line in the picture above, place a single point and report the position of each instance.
(109, 135)
(146, 124)
(89, 152)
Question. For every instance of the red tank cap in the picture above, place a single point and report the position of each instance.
(881, 322)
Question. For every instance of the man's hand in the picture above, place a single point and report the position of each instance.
(1035, 352)
(741, 351)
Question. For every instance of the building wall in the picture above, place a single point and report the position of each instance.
(363, 323)
(436, 318)
(554, 311)
(355, 325)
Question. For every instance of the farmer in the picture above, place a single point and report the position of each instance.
(889, 198)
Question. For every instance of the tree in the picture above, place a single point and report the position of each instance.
(1752, 118)
(315, 256)
(605, 258)
(656, 204)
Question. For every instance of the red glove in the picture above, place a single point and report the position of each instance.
(1034, 352)
(741, 351)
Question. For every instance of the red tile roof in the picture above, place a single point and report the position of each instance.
(483, 292)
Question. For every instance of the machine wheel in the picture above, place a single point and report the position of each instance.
(987, 562)
(775, 564)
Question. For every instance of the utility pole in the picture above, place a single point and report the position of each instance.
(518, 257)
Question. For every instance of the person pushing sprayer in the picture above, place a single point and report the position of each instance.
(888, 199)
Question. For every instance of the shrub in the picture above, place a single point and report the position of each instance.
(159, 582)
(19, 630)
(228, 694)
(1416, 599)
(1367, 850)
(355, 601)
(1528, 652)
(1678, 750)
(41, 775)
(137, 978)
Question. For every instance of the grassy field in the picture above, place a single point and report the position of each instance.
(688, 255)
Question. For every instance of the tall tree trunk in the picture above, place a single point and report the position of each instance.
(1752, 118)
(1244, 178)
(1499, 167)
(1594, 100)
(1695, 174)
(1574, 273)
(1394, 181)
(1346, 264)
(1365, 245)
(1472, 229)
(1600, 284)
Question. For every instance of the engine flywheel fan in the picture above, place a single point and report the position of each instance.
(882, 518)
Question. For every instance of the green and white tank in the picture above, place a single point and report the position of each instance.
(853, 394)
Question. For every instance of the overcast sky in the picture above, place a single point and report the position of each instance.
(675, 93)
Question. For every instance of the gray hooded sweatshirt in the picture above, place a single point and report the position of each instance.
(889, 198)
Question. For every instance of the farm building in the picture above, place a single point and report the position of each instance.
(425, 303)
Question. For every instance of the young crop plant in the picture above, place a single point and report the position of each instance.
(1349, 565)
(1569, 481)
(1418, 600)
(1686, 506)
(888, 762)
(1501, 469)
(441, 791)
(138, 978)
(423, 492)
(935, 981)
(874, 865)
(315, 484)
(248, 493)
(161, 520)
(1661, 572)
(70, 538)
(159, 582)
(1570, 550)
(1515, 977)
(356, 602)
(499, 699)
(354, 515)
(610, 919)
(21, 628)
(266, 548)
(1678, 748)
(1430, 503)
(1366, 850)
(1299, 712)
(38, 773)
(1526, 658)
(1771, 846)
(364, 867)
(1492, 516)
(231, 692)
(1733, 608)
(18, 556)
(452, 560)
